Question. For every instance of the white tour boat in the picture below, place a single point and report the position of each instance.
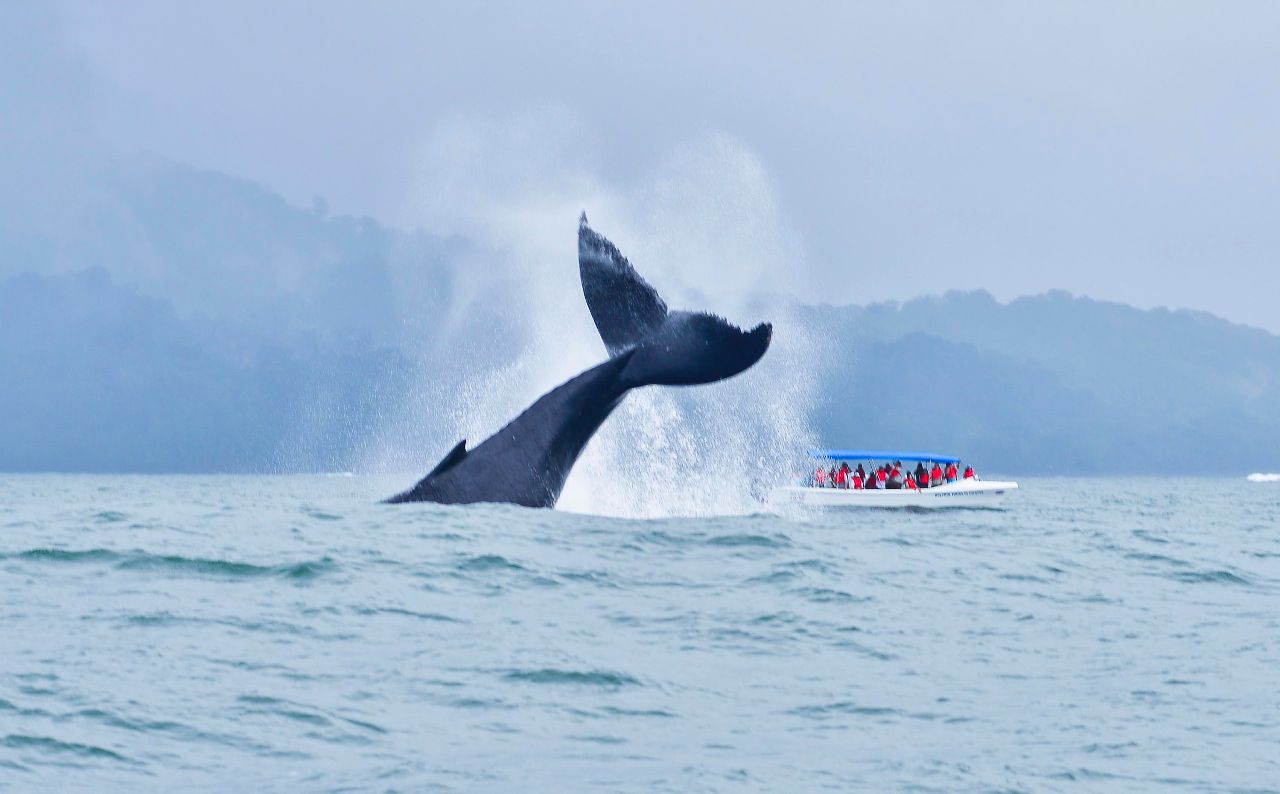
(968, 492)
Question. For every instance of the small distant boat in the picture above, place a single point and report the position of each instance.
(970, 492)
(1264, 478)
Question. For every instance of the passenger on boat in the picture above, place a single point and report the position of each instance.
(860, 473)
(911, 482)
(856, 479)
(895, 478)
(953, 473)
(820, 478)
(935, 476)
(882, 477)
(841, 479)
(968, 473)
(922, 476)
(831, 477)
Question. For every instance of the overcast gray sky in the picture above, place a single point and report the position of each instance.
(1125, 151)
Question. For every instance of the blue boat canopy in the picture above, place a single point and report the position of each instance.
(881, 454)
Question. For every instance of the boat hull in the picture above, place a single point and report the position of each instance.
(966, 493)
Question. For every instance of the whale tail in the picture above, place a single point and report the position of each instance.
(671, 348)
(526, 462)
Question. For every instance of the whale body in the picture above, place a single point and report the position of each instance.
(528, 460)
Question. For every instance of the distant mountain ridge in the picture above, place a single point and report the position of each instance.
(1058, 383)
(195, 322)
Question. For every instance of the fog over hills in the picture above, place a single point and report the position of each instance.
(183, 320)
(1055, 383)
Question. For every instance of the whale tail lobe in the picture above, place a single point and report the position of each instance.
(691, 349)
(624, 307)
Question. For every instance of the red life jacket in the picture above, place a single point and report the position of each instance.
(952, 472)
(881, 476)
(897, 472)
(936, 474)
(911, 483)
(857, 483)
(968, 473)
(820, 476)
(840, 477)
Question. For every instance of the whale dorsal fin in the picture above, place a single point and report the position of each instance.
(454, 457)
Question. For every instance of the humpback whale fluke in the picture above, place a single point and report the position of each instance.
(528, 460)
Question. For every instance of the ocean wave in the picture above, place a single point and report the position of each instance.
(828, 710)
(408, 613)
(65, 555)
(273, 627)
(1260, 477)
(47, 744)
(826, 595)
(13, 708)
(778, 541)
(266, 705)
(549, 675)
(135, 561)
(169, 728)
(488, 562)
(1216, 577)
(1139, 556)
(230, 568)
(774, 577)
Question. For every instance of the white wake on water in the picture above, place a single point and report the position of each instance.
(1259, 477)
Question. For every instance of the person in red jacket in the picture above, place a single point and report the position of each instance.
(911, 482)
(820, 477)
(935, 476)
(922, 475)
(842, 477)
(953, 472)
(857, 481)
(882, 477)
(968, 473)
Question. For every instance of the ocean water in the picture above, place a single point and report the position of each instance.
(292, 634)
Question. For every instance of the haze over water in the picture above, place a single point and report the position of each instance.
(290, 633)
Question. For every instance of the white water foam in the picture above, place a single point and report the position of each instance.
(1259, 477)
